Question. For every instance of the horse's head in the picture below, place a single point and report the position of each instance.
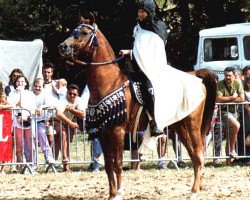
(81, 42)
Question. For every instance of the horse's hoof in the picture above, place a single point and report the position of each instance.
(142, 157)
(193, 196)
(118, 197)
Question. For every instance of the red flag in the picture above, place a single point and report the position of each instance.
(5, 135)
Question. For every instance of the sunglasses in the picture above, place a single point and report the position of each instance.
(71, 93)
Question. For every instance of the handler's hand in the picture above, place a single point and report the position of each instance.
(124, 52)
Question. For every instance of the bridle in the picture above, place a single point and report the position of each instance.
(92, 41)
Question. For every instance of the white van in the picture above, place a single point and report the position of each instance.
(222, 47)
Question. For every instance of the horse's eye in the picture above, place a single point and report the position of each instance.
(75, 33)
(84, 33)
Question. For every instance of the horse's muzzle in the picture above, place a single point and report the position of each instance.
(64, 49)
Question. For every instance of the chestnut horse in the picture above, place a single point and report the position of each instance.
(88, 47)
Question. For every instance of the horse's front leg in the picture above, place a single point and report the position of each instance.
(119, 134)
(107, 147)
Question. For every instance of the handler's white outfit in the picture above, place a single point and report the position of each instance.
(177, 93)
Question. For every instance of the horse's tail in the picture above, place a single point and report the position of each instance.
(209, 80)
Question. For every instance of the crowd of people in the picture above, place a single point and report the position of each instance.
(52, 94)
(46, 99)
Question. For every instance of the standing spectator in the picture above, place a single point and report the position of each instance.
(52, 97)
(239, 74)
(243, 149)
(3, 105)
(161, 149)
(69, 108)
(12, 77)
(1, 87)
(41, 119)
(229, 90)
(47, 71)
(96, 149)
(133, 148)
(24, 99)
(246, 71)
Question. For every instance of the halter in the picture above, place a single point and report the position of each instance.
(93, 42)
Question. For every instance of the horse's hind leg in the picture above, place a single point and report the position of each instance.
(107, 147)
(190, 135)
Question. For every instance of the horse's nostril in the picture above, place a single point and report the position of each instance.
(63, 46)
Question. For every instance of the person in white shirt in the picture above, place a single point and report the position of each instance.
(68, 108)
(42, 116)
(47, 71)
(24, 99)
(60, 88)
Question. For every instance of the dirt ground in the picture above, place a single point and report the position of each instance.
(220, 183)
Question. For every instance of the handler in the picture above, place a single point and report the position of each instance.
(170, 94)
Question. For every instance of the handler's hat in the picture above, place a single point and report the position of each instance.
(147, 5)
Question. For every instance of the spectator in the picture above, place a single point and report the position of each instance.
(133, 147)
(1, 87)
(69, 108)
(246, 71)
(96, 155)
(12, 77)
(239, 74)
(3, 105)
(42, 117)
(96, 149)
(243, 149)
(52, 97)
(3, 101)
(24, 99)
(47, 71)
(161, 149)
(229, 90)
(60, 88)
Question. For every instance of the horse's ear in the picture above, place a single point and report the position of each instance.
(91, 18)
(83, 20)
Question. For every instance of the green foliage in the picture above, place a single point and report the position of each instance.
(50, 20)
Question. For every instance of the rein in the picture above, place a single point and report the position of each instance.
(77, 61)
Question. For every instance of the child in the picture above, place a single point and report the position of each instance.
(60, 88)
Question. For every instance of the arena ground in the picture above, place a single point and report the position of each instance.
(230, 183)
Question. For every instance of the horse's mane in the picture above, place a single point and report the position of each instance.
(125, 65)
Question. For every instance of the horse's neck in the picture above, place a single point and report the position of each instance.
(104, 79)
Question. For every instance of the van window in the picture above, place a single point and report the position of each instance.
(217, 49)
(246, 44)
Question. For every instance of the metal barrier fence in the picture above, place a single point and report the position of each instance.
(35, 142)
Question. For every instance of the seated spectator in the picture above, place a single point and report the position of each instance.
(229, 90)
(12, 77)
(69, 108)
(24, 99)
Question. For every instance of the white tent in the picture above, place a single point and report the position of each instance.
(26, 56)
